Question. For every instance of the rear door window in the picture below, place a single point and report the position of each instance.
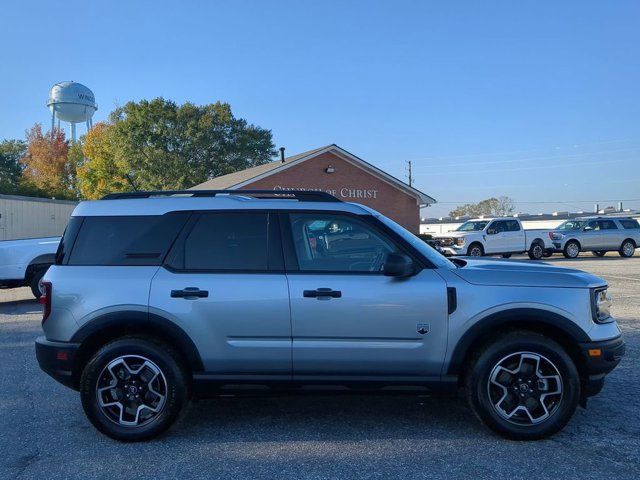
(125, 240)
(228, 242)
(607, 225)
(512, 226)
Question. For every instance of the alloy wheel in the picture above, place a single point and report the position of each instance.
(628, 249)
(573, 250)
(525, 388)
(537, 251)
(131, 391)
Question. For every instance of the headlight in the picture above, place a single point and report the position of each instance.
(601, 305)
(459, 241)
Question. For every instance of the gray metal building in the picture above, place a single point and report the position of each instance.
(30, 217)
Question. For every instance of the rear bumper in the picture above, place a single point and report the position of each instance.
(57, 360)
(600, 358)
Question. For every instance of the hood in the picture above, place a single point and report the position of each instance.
(28, 241)
(525, 274)
(453, 234)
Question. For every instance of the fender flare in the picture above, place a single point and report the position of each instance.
(45, 259)
(136, 321)
(529, 318)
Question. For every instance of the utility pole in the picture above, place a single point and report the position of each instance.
(410, 173)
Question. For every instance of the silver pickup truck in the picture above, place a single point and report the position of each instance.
(598, 235)
(24, 262)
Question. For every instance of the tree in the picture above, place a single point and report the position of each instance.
(46, 163)
(158, 144)
(99, 171)
(11, 151)
(491, 206)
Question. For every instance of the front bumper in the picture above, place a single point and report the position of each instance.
(454, 251)
(600, 358)
(57, 360)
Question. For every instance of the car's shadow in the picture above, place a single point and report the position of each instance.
(328, 418)
(28, 306)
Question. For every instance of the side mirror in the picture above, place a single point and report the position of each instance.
(588, 228)
(398, 265)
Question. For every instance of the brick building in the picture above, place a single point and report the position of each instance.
(334, 170)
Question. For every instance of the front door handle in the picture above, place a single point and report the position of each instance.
(322, 292)
(190, 292)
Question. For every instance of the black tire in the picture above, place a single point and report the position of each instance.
(571, 249)
(599, 253)
(536, 251)
(475, 250)
(506, 255)
(34, 284)
(627, 249)
(481, 392)
(163, 358)
(547, 253)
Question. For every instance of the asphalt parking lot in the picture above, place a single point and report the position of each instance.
(44, 433)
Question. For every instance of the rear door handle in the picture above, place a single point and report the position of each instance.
(189, 292)
(322, 292)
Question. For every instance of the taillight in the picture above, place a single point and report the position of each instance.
(45, 300)
(550, 235)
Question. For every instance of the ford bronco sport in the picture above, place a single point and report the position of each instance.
(158, 296)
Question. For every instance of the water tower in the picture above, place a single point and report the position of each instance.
(71, 102)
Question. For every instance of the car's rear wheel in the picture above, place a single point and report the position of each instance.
(536, 251)
(571, 249)
(627, 249)
(475, 250)
(599, 253)
(547, 253)
(134, 389)
(34, 284)
(523, 386)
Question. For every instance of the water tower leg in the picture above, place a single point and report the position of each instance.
(73, 132)
(53, 121)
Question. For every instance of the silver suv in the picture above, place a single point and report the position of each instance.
(155, 297)
(598, 235)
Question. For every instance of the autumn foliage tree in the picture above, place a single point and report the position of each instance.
(101, 170)
(46, 163)
(159, 145)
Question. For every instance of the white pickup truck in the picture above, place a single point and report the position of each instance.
(495, 236)
(24, 262)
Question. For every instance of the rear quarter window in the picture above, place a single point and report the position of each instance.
(629, 224)
(125, 240)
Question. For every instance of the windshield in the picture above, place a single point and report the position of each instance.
(571, 225)
(434, 257)
(472, 226)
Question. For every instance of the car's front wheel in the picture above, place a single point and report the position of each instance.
(523, 386)
(134, 389)
(571, 249)
(475, 250)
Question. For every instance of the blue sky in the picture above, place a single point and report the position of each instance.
(537, 100)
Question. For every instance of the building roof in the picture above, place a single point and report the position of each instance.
(239, 179)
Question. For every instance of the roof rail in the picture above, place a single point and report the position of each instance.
(300, 195)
